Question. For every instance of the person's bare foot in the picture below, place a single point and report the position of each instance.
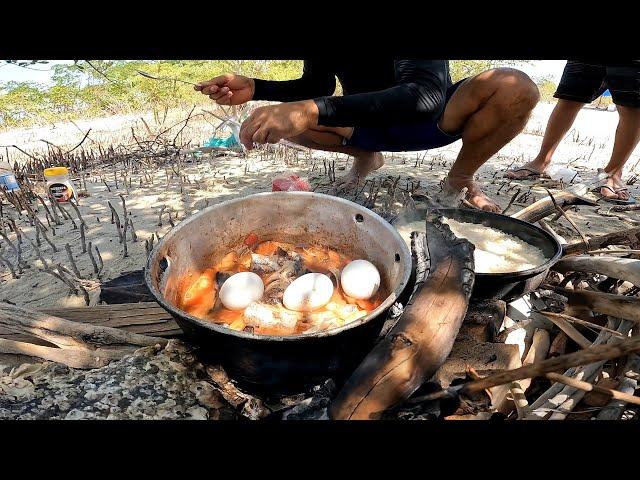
(363, 165)
(528, 170)
(614, 188)
(474, 196)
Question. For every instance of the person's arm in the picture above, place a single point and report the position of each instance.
(418, 96)
(317, 80)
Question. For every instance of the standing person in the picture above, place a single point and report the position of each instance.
(582, 83)
(401, 105)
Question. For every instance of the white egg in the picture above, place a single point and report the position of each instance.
(360, 279)
(240, 289)
(307, 293)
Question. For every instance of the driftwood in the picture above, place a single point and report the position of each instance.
(537, 409)
(560, 399)
(569, 329)
(628, 385)
(619, 306)
(558, 345)
(537, 352)
(588, 387)
(79, 345)
(614, 267)
(422, 338)
(579, 321)
(146, 318)
(588, 356)
(546, 206)
(630, 236)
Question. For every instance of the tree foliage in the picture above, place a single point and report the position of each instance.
(91, 88)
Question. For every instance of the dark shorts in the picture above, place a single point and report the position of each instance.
(584, 82)
(404, 138)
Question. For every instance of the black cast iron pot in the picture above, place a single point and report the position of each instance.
(264, 361)
(500, 286)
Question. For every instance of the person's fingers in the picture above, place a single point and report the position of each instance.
(210, 89)
(207, 86)
(218, 95)
(272, 137)
(260, 136)
(247, 130)
(225, 99)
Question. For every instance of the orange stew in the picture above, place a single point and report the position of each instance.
(199, 296)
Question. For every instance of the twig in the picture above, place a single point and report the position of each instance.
(47, 212)
(160, 215)
(100, 262)
(581, 322)
(570, 330)
(77, 210)
(513, 199)
(81, 142)
(9, 266)
(126, 225)
(564, 214)
(588, 387)
(114, 215)
(10, 243)
(83, 240)
(101, 73)
(134, 237)
(46, 239)
(67, 247)
(93, 260)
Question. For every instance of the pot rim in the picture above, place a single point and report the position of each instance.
(405, 260)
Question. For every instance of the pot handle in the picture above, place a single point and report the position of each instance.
(164, 264)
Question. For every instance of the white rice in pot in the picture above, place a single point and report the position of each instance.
(495, 252)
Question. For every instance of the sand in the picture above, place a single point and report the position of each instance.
(226, 177)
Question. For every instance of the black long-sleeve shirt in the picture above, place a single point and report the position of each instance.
(376, 93)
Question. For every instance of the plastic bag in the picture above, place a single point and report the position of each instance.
(228, 142)
(565, 174)
(290, 183)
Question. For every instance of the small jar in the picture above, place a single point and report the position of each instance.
(59, 184)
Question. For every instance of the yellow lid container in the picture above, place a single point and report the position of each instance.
(55, 171)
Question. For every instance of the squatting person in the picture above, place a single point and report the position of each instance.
(402, 105)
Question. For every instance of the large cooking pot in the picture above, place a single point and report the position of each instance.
(500, 286)
(204, 238)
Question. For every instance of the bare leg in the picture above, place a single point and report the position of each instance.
(560, 121)
(626, 140)
(330, 139)
(490, 109)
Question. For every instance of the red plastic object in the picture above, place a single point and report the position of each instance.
(290, 183)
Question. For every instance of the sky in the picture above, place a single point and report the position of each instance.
(42, 73)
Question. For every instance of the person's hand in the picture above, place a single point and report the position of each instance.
(228, 89)
(273, 123)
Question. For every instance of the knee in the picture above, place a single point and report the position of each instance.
(516, 89)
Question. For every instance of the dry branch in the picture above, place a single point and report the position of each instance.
(619, 306)
(67, 247)
(116, 218)
(615, 267)
(80, 345)
(629, 236)
(93, 260)
(546, 206)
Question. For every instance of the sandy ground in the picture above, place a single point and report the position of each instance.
(215, 179)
